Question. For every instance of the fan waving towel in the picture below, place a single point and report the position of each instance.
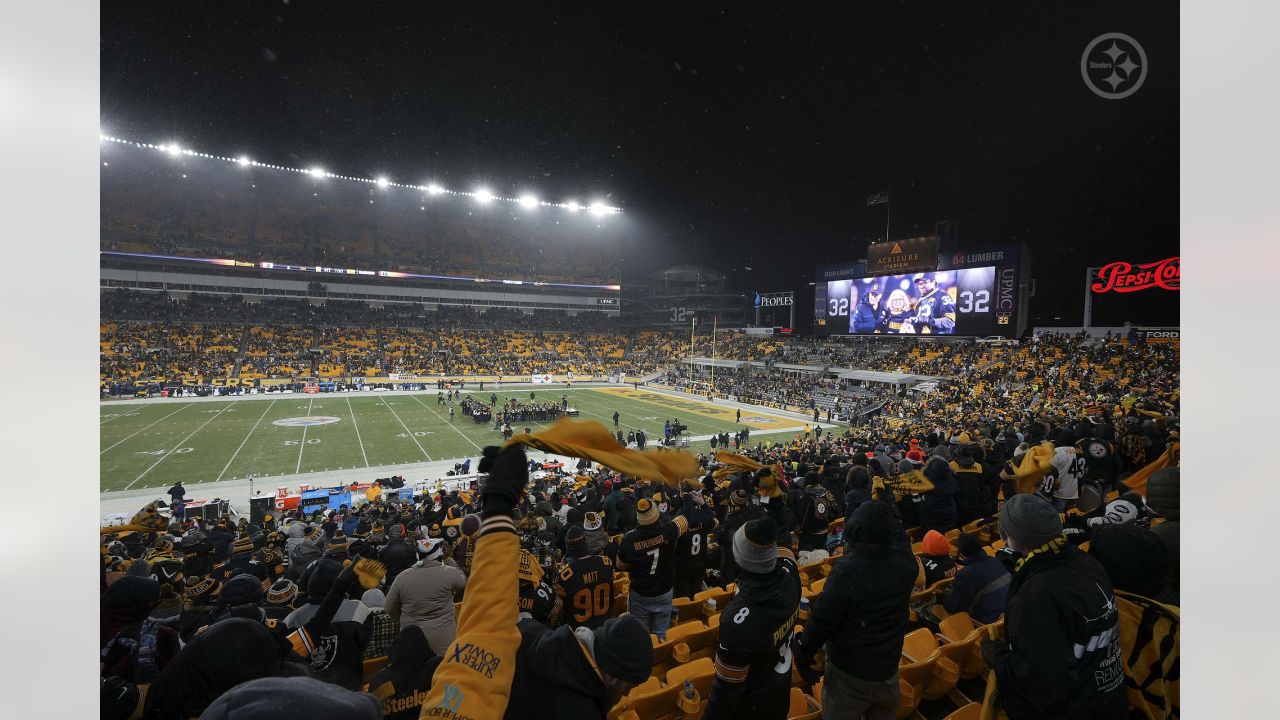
(146, 520)
(1138, 480)
(589, 439)
(734, 463)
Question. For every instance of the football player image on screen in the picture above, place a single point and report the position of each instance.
(897, 316)
(935, 310)
(865, 311)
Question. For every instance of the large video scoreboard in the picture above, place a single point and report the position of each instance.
(970, 293)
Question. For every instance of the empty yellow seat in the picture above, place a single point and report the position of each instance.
(803, 707)
(701, 672)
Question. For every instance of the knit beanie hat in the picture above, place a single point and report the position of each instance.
(242, 545)
(243, 589)
(915, 457)
(282, 592)
(396, 532)
(203, 590)
(318, 578)
(118, 699)
(738, 498)
(646, 513)
(622, 649)
(969, 546)
(338, 545)
(1029, 520)
(575, 540)
(754, 548)
(431, 548)
(132, 593)
(935, 543)
(374, 598)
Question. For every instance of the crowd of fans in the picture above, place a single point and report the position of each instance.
(571, 590)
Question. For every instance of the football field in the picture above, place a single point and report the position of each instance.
(153, 444)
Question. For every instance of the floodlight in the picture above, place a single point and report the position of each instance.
(572, 206)
(528, 201)
(316, 172)
(599, 208)
(244, 161)
(383, 182)
(434, 189)
(483, 195)
(173, 150)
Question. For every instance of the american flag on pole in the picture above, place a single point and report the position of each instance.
(879, 198)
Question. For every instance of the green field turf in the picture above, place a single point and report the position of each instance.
(154, 444)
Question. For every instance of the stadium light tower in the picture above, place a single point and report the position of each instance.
(316, 172)
(483, 196)
(244, 161)
(598, 208)
(528, 202)
(572, 206)
(434, 189)
(173, 149)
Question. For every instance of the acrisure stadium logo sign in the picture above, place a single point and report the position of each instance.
(306, 421)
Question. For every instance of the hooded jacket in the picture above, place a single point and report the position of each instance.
(861, 615)
(937, 507)
(972, 493)
(403, 684)
(556, 676)
(424, 595)
(1062, 655)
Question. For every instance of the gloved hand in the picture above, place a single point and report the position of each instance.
(508, 474)
(804, 661)
(992, 649)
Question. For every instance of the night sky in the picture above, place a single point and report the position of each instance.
(746, 136)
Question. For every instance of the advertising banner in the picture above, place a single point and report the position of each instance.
(900, 256)
(543, 379)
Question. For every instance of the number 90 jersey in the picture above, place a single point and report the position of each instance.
(585, 585)
(756, 628)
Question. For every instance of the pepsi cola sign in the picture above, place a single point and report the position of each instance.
(1122, 277)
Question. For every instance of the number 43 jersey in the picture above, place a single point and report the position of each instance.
(586, 587)
(756, 628)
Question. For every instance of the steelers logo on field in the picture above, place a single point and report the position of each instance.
(759, 419)
(306, 421)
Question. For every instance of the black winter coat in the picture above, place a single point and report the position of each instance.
(937, 507)
(1062, 658)
(554, 678)
(862, 613)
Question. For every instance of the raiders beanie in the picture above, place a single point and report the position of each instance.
(623, 650)
(754, 548)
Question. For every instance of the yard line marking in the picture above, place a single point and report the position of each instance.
(180, 442)
(357, 427)
(302, 445)
(407, 431)
(166, 417)
(451, 427)
(245, 440)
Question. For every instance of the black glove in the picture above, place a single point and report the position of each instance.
(508, 474)
(804, 661)
(992, 649)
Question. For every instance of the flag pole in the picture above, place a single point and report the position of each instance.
(714, 319)
(888, 211)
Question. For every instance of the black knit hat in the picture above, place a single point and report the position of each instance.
(282, 592)
(243, 589)
(623, 650)
(131, 592)
(318, 578)
(575, 540)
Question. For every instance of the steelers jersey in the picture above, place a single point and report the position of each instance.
(756, 627)
(647, 553)
(691, 548)
(936, 312)
(585, 586)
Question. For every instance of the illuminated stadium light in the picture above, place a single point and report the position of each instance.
(482, 196)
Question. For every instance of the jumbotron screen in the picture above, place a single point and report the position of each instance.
(966, 301)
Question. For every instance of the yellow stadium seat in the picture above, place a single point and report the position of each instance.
(687, 609)
(720, 595)
(373, 665)
(701, 672)
(803, 707)
(817, 585)
(676, 633)
(931, 674)
(696, 645)
(908, 699)
(972, 711)
(961, 642)
(659, 704)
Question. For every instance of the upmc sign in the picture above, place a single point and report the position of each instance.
(1122, 277)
